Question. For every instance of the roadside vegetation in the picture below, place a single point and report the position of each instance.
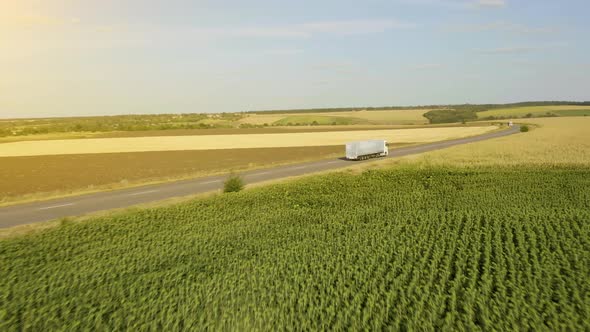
(233, 183)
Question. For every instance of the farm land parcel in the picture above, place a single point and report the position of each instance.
(39, 177)
(427, 244)
(417, 246)
(519, 112)
(208, 142)
(45, 174)
(559, 141)
(389, 117)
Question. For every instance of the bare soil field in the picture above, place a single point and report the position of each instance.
(63, 174)
(209, 142)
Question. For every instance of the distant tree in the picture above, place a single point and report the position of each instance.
(524, 128)
(450, 116)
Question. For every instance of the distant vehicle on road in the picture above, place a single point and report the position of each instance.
(362, 150)
(510, 124)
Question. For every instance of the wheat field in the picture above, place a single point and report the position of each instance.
(554, 141)
(213, 142)
(535, 111)
(374, 117)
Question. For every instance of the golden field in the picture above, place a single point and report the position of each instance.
(218, 131)
(554, 141)
(562, 110)
(370, 117)
(217, 142)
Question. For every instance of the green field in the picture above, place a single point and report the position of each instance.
(535, 111)
(579, 112)
(426, 248)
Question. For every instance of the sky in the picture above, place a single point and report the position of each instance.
(95, 57)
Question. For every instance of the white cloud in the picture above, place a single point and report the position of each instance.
(503, 26)
(341, 67)
(285, 51)
(492, 3)
(354, 27)
(333, 65)
(457, 4)
(509, 50)
(307, 30)
(523, 49)
(427, 66)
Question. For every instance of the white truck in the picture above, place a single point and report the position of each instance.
(362, 150)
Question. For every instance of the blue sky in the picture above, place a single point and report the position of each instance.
(87, 57)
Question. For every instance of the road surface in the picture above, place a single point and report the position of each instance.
(84, 204)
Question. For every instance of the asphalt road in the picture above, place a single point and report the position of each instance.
(84, 204)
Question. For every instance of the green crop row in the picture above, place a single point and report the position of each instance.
(419, 249)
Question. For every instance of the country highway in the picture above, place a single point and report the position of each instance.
(84, 204)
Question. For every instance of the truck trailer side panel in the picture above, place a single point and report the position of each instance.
(370, 148)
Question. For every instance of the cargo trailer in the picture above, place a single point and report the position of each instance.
(362, 150)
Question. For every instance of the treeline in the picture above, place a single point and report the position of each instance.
(528, 115)
(473, 107)
(346, 109)
(450, 116)
(487, 107)
(23, 127)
